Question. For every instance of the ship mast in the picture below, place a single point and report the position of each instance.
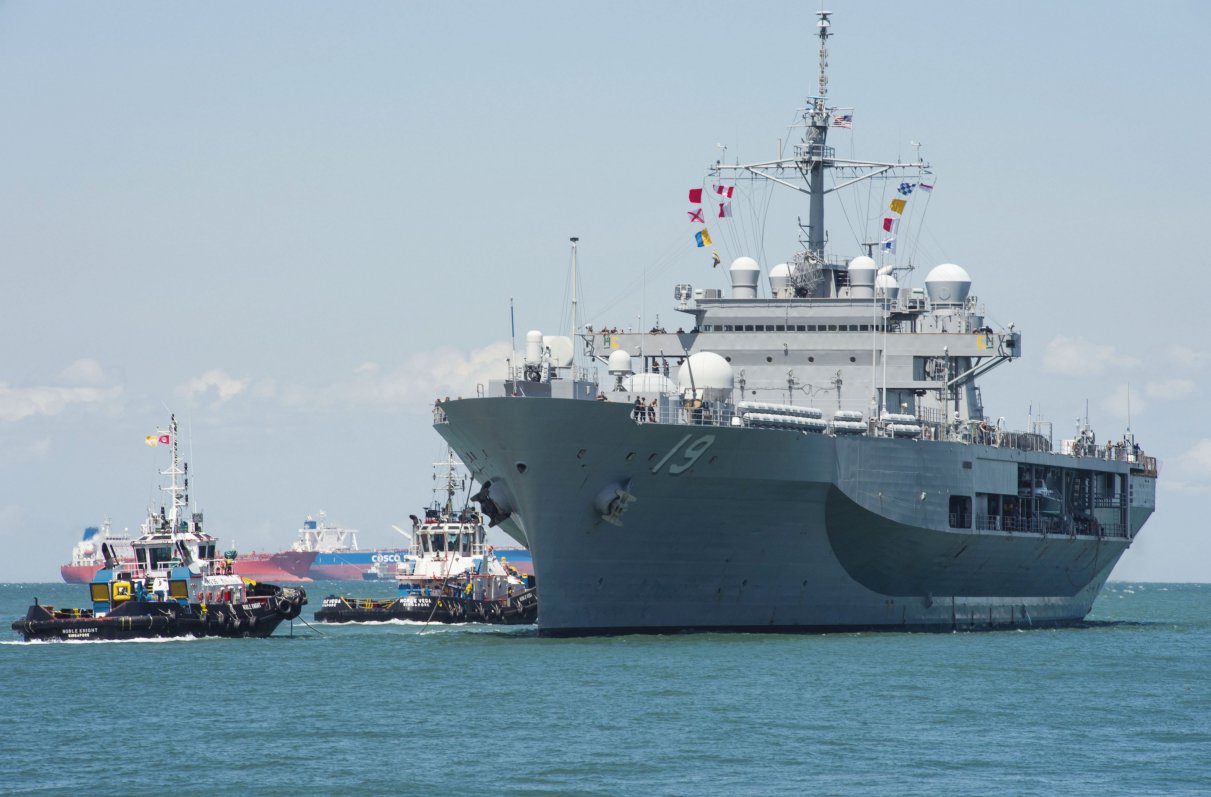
(572, 334)
(814, 140)
(179, 491)
(813, 157)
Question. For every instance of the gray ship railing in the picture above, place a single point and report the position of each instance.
(671, 409)
(1084, 527)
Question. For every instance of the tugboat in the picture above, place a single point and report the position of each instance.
(449, 575)
(174, 587)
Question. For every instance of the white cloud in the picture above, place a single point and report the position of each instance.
(1122, 403)
(1193, 471)
(1198, 458)
(1185, 357)
(1079, 357)
(85, 386)
(223, 384)
(424, 377)
(83, 372)
(1169, 389)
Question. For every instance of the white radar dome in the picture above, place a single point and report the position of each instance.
(947, 284)
(705, 375)
(887, 287)
(620, 362)
(780, 280)
(744, 272)
(862, 277)
(561, 349)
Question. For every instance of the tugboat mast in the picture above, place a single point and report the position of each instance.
(179, 491)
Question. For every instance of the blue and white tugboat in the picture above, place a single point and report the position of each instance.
(449, 575)
(176, 586)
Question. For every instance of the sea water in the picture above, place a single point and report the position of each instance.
(1121, 706)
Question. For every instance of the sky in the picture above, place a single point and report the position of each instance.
(295, 224)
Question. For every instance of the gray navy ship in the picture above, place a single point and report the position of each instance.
(815, 458)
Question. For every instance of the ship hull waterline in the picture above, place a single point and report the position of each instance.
(751, 530)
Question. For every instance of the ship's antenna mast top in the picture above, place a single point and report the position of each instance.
(823, 26)
(574, 239)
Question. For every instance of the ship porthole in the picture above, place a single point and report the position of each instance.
(521, 467)
(811, 359)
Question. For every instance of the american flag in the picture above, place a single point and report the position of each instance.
(844, 120)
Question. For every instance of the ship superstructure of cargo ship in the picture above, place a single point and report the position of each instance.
(338, 557)
(813, 456)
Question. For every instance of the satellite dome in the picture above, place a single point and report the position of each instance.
(947, 284)
(561, 349)
(620, 362)
(886, 286)
(744, 272)
(862, 263)
(707, 375)
(780, 279)
(862, 277)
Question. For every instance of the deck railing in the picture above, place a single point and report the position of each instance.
(671, 409)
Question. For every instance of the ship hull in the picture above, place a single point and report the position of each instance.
(282, 566)
(351, 565)
(520, 609)
(162, 620)
(358, 565)
(746, 529)
(78, 574)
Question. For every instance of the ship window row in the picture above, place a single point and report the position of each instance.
(792, 327)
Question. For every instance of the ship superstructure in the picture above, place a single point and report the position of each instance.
(814, 455)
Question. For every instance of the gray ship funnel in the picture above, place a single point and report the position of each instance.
(862, 277)
(744, 272)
